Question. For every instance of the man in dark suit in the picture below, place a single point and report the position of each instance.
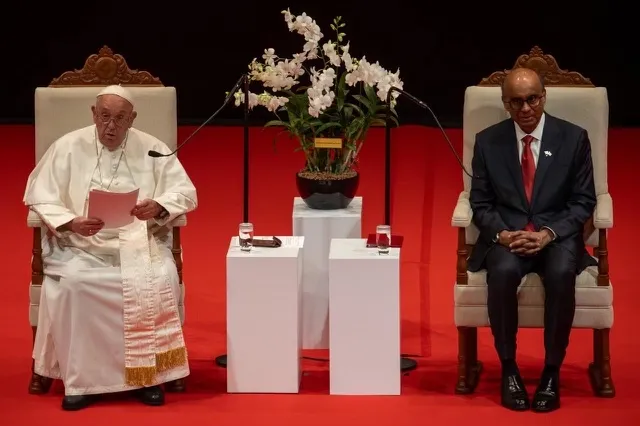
(532, 195)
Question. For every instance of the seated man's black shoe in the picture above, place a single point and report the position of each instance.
(77, 402)
(153, 395)
(547, 396)
(514, 394)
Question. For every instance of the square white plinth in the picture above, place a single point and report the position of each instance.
(318, 228)
(264, 318)
(364, 299)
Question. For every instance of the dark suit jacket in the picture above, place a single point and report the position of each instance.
(563, 196)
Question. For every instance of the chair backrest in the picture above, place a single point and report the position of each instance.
(570, 96)
(65, 105)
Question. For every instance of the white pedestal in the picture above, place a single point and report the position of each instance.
(264, 318)
(318, 228)
(364, 289)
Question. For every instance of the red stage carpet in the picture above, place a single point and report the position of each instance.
(426, 184)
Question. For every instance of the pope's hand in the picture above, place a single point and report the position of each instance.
(147, 209)
(86, 226)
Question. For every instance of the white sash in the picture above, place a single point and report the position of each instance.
(152, 331)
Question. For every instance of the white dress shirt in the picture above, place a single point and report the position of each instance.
(535, 143)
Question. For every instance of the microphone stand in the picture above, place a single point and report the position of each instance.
(245, 212)
(221, 360)
(406, 364)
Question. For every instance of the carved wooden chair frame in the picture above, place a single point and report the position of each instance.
(102, 69)
(469, 367)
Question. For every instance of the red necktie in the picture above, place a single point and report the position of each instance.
(528, 171)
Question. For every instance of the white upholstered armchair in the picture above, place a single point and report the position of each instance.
(64, 106)
(574, 98)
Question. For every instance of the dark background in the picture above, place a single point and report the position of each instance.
(202, 48)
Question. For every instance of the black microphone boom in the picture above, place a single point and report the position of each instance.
(243, 79)
(425, 106)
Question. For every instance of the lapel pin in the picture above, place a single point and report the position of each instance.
(547, 153)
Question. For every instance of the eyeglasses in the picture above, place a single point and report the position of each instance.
(119, 120)
(518, 103)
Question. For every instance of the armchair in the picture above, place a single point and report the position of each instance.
(64, 106)
(574, 98)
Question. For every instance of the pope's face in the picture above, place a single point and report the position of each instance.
(113, 116)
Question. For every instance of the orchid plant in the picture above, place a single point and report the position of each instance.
(344, 97)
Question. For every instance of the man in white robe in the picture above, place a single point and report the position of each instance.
(108, 318)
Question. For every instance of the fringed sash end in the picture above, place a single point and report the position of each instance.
(171, 359)
(140, 376)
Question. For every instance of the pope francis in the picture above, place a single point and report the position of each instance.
(108, 317)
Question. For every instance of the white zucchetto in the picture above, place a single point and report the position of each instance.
(117, 90)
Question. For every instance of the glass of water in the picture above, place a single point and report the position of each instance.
(245, 236)
(383, 238)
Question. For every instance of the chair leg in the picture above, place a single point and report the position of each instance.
(469, 368)
(175, 386)
(600, 368)
(38, 385)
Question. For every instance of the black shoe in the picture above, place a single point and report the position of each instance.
(77, 402)
(514, 394)
(153, 395)
(547, 396)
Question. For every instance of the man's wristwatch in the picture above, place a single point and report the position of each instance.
(496, 238)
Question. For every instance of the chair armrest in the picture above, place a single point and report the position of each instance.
(603, 214)
(179, 221)
(33, 220)
(462, 213)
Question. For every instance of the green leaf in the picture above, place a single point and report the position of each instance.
(357, 108)
(326, 126)
(370, 91)
(347, 114)
(275, 138)
(274, 123)
(364, 101)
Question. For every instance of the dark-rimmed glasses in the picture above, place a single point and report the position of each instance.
(517, 103)
(119, 120)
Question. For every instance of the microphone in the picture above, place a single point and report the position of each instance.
(425, 106)
(242, 79)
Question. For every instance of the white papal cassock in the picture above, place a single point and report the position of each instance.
(108, 318)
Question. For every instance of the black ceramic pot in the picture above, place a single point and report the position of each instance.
(328, 194)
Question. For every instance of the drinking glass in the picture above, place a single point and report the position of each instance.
(245, 236)
(383, 238)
